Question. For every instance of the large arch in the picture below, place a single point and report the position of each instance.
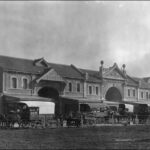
(113, 94)
(50, 92)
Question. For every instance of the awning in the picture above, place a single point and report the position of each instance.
(18, 98)
(82, 100)
(137, 102)
(111, 102)
(44, 108)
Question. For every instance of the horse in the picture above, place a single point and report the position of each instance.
(126, 116)
(13, 118)
(2, 120)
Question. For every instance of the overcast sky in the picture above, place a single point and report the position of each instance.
(79, 33)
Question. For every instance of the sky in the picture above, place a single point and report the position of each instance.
(78, 32)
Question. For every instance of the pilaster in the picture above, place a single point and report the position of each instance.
(84, 89)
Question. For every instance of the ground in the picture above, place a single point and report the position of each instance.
(116, 137)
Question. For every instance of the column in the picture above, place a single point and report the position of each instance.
(84, 89)
(79, 107)
(138, 94)
(101, 92)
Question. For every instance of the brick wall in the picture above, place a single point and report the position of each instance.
(74, 92)
(130, 97)
(93, 95)
(19, 90)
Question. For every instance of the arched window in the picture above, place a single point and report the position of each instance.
(14, 82)
(96, 90)
(78, 87)
(90, 89)
(141, 94)
(146, 95)
(70, 86)
(133, 93)
(128, 92)
(25, 83)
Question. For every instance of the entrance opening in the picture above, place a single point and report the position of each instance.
(85, 108)
(113, 94)
(48, 92)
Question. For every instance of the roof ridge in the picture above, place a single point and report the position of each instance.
(16, 57)
(88, 69)
(58, 64)
(31, 59)
(77, 69)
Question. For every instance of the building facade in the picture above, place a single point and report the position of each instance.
(67, 86)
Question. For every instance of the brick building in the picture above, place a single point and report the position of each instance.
(69, 87)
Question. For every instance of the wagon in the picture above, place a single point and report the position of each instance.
(74, 122)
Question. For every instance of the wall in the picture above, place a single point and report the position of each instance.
(1, 80)
(93, 96)
(137, 96)
(74, 92)
(19, 90)
(131, 97)
(59, 86)
(144, 95)
(112, 83)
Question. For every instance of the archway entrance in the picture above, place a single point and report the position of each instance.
(50, 92)
(113, 94)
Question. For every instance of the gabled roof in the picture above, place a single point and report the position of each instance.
(66, 71)
(92, 75)
(41, 62)
(69, 71)
(50, 75)
(20, 65)
(131, 81)
(110, 69)
(146, 79)
(142, 83)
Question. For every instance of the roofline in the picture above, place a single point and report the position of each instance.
(78, 70)
(9, 70)
(17, 57)
(133, 79)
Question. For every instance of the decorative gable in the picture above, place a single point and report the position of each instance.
(114, 74)
(41, 62)
(51, 75)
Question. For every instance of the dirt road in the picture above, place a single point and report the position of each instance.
(117, 137)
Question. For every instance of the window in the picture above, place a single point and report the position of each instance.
(146, 95)
(96, 90)
(133, 93)
(128, 92)
(141, 94)
(25, 83)
(90, 89)
(14, 82)
(78, 87)
(70, 87)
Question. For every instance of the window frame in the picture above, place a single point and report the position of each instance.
(78, 87)
(133, 92)
(70, 87)
(24, 78)
(12, 85)
(129, 94)
(142, 95)
(147, 95)
(97, 89)
(90, 90)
